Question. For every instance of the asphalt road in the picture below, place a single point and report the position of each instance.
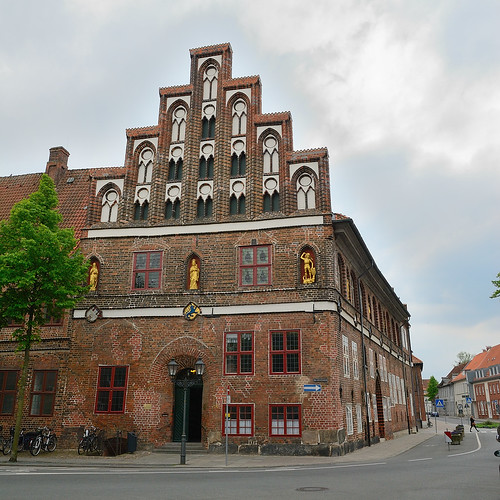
(432, 470)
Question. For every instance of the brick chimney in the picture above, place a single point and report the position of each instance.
(58, 163)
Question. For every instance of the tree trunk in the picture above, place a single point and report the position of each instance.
(21, 389)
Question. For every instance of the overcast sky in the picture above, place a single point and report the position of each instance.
(404, 94)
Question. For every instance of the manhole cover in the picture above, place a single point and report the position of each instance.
(312, 488)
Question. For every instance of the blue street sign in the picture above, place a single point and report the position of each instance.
(439, 403)
(312, 388)
(468, 399)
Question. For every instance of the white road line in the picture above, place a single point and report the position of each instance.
(80, 472)
(419, 459)
(469, 452)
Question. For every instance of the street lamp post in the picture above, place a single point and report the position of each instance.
(173, 366)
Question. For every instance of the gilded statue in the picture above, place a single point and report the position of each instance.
(94, 274)
(309, 275)
(194, 275)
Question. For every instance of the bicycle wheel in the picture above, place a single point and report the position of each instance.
(36, 446)
(82, 446)
(52, 443)
(7, 447)
(93, 444)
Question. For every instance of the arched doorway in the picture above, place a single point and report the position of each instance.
(380, 408)
(193, 391)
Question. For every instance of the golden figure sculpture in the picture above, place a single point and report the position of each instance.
(194, 275)
(94, 274)
(309, 275)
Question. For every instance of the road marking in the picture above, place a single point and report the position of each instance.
(419, 459)
(121, 471)
(469, 452)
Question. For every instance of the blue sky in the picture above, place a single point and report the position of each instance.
(405, 95)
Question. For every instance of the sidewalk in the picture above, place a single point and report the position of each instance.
(374, 453)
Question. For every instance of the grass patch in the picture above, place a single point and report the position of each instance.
(487, 425)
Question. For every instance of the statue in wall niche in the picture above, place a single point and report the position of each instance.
(194, 275)
(93, 275)
(309, 275)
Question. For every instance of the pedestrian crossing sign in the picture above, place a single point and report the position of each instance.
(439, 403)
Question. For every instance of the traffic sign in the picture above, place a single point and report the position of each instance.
(468, 400)
(447, 437)
(439, 403)
(312, 388)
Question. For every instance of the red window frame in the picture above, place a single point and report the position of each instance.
(8, 390)
(284, 354)
(111, 393)
(147, 269)
(43, 393)
(252, 265)
(287, 411)
(238, 413)
(239, 354)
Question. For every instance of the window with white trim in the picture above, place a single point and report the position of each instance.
(345, 352)
(285, 420)
(359, 417)
(240, 421)
(348, 419)
(355, 363)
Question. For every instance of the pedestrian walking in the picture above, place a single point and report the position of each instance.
(473, 424)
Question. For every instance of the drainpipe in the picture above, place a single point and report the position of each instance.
(363, 350)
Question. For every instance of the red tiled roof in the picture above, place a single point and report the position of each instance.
(73, 191)
(15, 188)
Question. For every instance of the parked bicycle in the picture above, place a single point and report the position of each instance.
(90, 442)
(44, 440)
(24, 442)
(2, 439)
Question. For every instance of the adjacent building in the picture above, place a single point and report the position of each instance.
(216, 243)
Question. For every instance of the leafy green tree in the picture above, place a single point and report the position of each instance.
(463, 357)
(432, 389)
(42, 273)
(496, 282)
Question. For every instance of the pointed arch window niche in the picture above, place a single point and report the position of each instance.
(307, 266)
(306, 192)
(109, 209)
(193, 273)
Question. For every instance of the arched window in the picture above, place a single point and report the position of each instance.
(175, 170)
(271, 155)
(306, 193)
(342, 276)
(237, 204)
(210, 78)
(179, 124)
(204, 207)
(141, 211)
(238, 165)
(145, 167)
(271, 202)
(239, 117)
(109, 210)
(206, 168)
(208, 128)
(172, 209)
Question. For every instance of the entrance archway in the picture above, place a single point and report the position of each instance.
(380, 408)
(194, 395)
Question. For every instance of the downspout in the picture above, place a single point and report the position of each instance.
(363, 350)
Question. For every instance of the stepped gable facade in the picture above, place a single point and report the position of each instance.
(216, 242)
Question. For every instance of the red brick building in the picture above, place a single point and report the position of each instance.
(216, 241)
